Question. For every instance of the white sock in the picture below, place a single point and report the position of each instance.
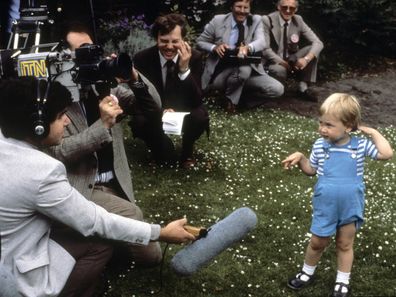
(302, 86)
(343, 277)
(310, 270)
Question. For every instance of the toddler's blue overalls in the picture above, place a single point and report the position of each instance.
(339, 193)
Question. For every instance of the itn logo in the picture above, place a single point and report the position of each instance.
(35, 68)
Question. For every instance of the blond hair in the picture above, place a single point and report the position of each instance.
(344, 107)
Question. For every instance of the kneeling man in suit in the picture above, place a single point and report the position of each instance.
(239, 34)
(35, 192)
(175, 69)
(293, 47)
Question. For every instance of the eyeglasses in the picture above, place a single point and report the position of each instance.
(288, 8)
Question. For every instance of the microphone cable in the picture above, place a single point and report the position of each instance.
(161, 271)
(157, 291)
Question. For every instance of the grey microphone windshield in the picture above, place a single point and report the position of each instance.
(220, 236)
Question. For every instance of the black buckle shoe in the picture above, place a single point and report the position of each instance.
(297, 283)
(338, 292)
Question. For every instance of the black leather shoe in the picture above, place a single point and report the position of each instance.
(230, 107)
(297, 283)
(338, 290)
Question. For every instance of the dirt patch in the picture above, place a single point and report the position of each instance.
(375, 90)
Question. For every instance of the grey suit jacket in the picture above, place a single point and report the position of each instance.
(35, 189)
(218, 31)
(272, 33)
(78, 148)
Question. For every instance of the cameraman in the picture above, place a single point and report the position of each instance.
(242, 33)
(93, 146)
(43, 261)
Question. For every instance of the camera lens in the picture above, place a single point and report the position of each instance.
(118, 67)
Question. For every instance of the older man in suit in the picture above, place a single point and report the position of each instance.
(93, 146)
(285, 32)
(240, 34)
(175, 69)
(43, 261)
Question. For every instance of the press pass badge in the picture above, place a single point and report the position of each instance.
(294, 38)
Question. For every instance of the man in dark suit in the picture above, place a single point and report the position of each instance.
(175, 70)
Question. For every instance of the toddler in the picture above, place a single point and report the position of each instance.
(338, 201)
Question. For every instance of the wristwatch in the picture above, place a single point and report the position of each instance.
(137, 84)
(307, 59)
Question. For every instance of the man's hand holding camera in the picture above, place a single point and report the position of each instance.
(296, 64)
(286, 65)
(221, 49)
(109, 110)
(243, 51)
(300, 64)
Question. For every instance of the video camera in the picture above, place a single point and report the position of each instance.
(92, 68)
(84, 66)
(232, 56)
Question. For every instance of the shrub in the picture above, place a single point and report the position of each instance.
(359, 26)
(122, 33)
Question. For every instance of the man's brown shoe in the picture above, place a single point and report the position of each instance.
(230, 107)
(188, 163)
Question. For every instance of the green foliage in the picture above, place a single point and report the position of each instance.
(359, 26)
(122, 33)
(240, 166)
(355, 32)
(351, 28)
(137, 40)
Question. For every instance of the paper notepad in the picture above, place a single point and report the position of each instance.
(172, 122)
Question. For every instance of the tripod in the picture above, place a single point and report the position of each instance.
(31, 21)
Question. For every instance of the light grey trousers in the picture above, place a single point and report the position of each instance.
(235, 80)
(308, 74)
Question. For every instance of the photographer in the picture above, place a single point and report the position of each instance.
(45, 262)
(93, 146)
(241, 33)
(285, 32)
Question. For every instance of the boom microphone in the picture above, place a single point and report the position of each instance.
(218, 237)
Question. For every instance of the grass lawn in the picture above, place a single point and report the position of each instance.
(240, 166)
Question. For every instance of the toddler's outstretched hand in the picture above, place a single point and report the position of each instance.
(299, 159)
(292, 160)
